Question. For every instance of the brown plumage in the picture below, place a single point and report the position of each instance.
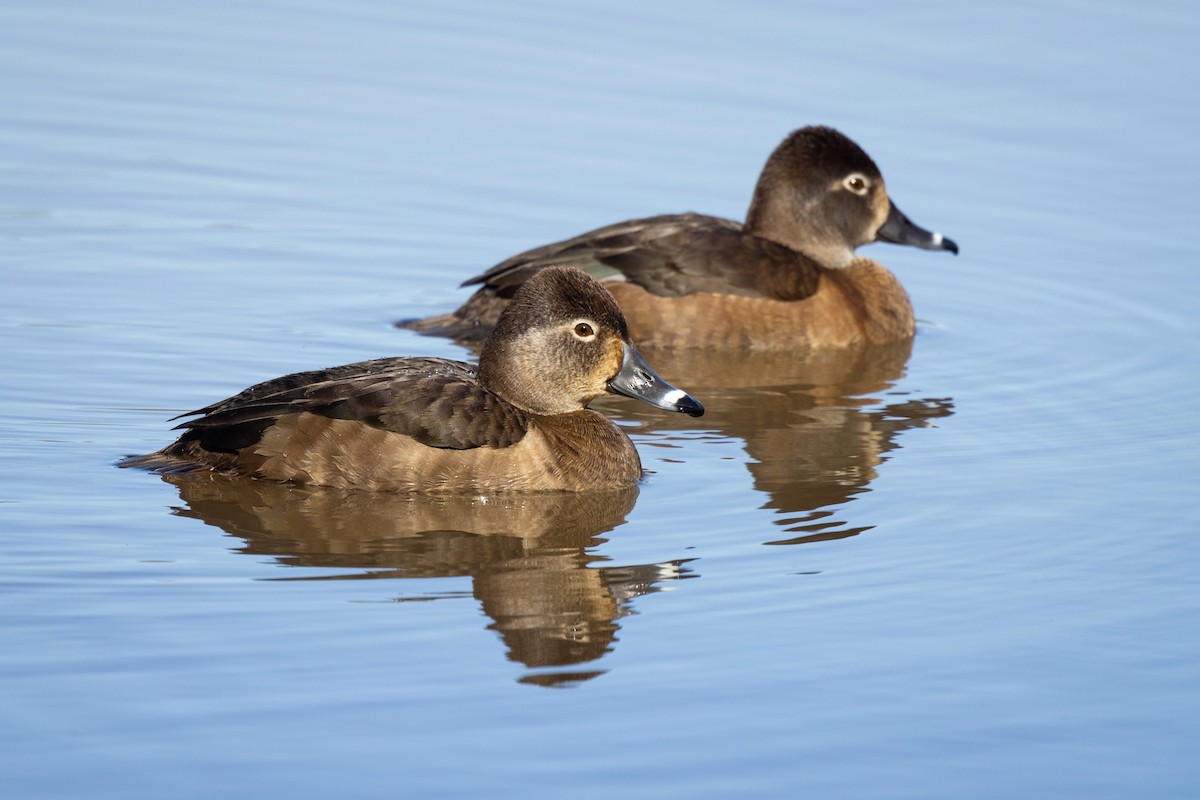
(788, 277)
(518, 422)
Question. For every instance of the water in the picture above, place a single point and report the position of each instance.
(967, 569)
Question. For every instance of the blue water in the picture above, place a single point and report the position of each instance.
(964, 570)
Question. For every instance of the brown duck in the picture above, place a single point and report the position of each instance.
(517, 422)
(787, 277)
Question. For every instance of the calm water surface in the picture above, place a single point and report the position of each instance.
(960, 567)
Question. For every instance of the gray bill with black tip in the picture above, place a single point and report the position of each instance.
(638, 379)
(899, 229)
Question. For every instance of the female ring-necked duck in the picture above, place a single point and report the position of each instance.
(517, 422)
(788, 277)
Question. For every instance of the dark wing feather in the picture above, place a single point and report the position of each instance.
(435, 401)
(670, 255)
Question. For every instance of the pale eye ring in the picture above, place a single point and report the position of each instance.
(584, 330)
(856, 183)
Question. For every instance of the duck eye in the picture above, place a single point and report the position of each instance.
(584, 331)
(856, 183)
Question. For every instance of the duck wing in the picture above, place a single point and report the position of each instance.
(435, 401)
(669, 255)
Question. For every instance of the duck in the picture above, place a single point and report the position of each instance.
(788, 277)
(517, 422)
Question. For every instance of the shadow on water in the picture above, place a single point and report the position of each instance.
(816, 425)
(527, 556)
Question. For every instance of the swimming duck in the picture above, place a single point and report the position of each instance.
(517, 422)
(788, 277)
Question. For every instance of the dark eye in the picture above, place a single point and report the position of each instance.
(584, 330)
(856, 184)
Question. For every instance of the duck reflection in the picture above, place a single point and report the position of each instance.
(816, 425)
(527, 555)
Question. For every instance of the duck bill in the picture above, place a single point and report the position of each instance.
(899, 229)
(638, 380)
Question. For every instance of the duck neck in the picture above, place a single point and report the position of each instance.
(794, 230)
(511, 369)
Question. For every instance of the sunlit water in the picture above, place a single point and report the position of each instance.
(961, 569)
